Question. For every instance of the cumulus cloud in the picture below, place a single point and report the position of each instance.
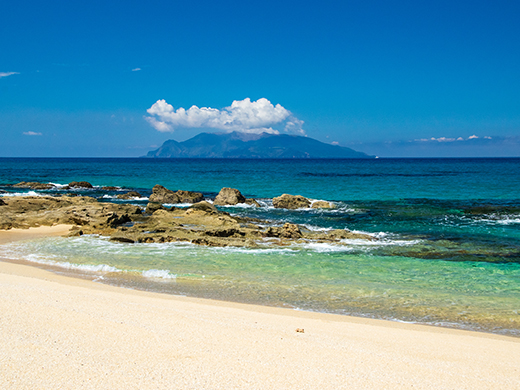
(243, 115)
(6, 74)
(31, 133)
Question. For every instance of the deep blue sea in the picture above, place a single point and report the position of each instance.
(448, 248)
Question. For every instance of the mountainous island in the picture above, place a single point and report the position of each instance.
(242, 145)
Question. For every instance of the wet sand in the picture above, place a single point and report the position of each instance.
(62, 332)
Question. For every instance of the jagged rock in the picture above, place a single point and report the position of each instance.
(161, 194)
(116, 220)
(109, 188)
(34, 185)
(80, 184)
(321, 204)
(204, 206)
(291, 202)
(288, 230)
(252, 202)
(229, 196)
(130, 195)
(2, 203)
(189, 197)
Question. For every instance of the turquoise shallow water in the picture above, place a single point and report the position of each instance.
(448, 248)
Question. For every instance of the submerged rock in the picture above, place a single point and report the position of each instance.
(122, 239)
(291, 202)
(130, 195)
(321, 204)
(229, 196)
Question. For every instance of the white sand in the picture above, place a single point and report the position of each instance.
(63, 333)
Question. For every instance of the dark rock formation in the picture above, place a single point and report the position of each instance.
(229, 196)
(291, 202)
(2, 203)
(79, 184)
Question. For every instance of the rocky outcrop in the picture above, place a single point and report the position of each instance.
(25, 212)
(288, 230)
(152, 207)
(79, 184)
(129, 195)
(204, 206)
(161, 194)
(189, 197)
(321, 204)
(229, 196)
(291, 202)
(2, 203)
(200, 224)
(34, 185)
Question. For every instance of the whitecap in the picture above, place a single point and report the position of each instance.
(29, 193)
(58, 185)
(158, 273)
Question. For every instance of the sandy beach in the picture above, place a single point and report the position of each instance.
(59, 332)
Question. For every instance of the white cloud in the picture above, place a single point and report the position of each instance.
(136, 69)
(243, 115)
(334, 143)
(31, 133)
(446, 139)
(5, 74)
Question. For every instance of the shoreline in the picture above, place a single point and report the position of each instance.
(71, 332)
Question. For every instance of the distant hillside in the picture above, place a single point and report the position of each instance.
(241, 145)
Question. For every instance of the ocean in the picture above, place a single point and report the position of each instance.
(447, 251)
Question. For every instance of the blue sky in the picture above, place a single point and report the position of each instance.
(404, 78)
